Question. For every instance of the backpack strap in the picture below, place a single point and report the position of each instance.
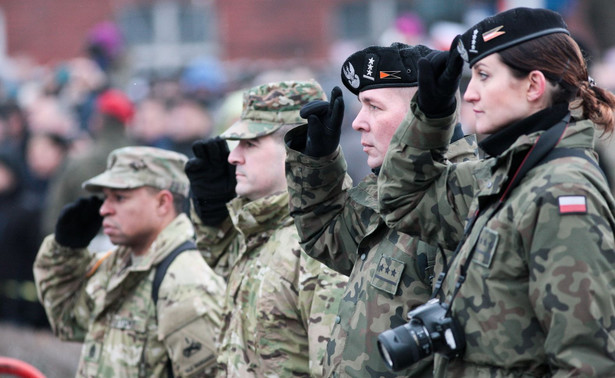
(161, 269)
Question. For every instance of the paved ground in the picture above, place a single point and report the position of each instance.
(55, 358)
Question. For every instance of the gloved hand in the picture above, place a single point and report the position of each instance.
(212, 180)
(79, 222)
(439, 75)
(324, 124)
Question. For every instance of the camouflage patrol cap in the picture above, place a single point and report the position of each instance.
(383, 67)
(268, 107)
(134, 167)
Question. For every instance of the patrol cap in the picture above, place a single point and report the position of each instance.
(382, 67)
(507, 29)
(134, 167)
(268, 107)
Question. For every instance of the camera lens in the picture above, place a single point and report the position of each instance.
(402, 346)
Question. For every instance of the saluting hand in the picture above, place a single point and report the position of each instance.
(79, 222)
(324, 120)
(212, 179)
(439, 76)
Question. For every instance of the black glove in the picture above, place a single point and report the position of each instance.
(324, 124)
(439, 76)
(79, 222)
(212, 180)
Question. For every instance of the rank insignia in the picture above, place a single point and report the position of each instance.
(388, 274)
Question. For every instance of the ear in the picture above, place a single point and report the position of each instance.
(537, 86)
(164, 200)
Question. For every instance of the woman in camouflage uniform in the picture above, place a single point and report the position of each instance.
(531, 284)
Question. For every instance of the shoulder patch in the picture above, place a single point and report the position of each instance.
(572, 204)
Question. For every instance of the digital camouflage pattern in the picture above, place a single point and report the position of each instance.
(269, 106)
(110, 308)
(538, 299)
(390, 272)
(137, 166)
(280, 304)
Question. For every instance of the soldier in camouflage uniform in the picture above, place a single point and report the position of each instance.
(280, 304)
(340, 225)
(537, 249)
(107, 301)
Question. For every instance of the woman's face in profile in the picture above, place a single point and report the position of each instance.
(496, 96)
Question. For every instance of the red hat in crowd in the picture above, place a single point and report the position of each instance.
(115, 103)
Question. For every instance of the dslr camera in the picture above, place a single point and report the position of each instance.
(428, 331)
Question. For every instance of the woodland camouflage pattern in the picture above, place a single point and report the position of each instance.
(390, 272)
(280, 303)
(538, 299)
(111, 310)
(269, 106)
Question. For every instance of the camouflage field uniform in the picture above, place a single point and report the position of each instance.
(280, 303)
(110, 308)
(538, 299)
(390, 272)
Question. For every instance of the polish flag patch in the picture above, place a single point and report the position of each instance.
(572, 204)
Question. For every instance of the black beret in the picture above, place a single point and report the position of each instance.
(383, 67)
(507, 29)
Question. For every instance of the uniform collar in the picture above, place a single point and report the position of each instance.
(496, 144)
(264, 214)
(175, 233)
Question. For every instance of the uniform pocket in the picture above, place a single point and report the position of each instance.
(127, 342)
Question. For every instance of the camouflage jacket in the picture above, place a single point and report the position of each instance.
(389, 272)
(538, 297)
(280, 303)
(106, 302)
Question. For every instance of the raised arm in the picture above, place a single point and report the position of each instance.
(328, 220)
(63, 266)
(420, 192)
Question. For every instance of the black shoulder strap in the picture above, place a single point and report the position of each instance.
(543, 146)
(161, 269)
(557, 153)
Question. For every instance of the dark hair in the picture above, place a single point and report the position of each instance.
(179, 200)
(560, 59)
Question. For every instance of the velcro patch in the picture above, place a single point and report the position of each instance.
(388, 274)
(572, 204)
(485, 247)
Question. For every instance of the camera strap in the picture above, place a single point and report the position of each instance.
(541, 148)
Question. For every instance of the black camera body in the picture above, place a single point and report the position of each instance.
(428, 331)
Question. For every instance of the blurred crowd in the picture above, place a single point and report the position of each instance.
(58, 125)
